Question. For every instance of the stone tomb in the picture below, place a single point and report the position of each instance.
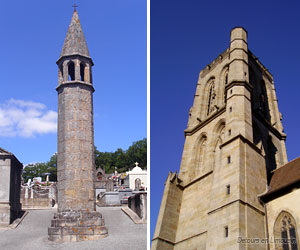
(10, 185)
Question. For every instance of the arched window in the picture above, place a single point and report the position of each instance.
(71, 71)
(263, 108)
(201, 156)
(82, 67)
(226, 77)
(99, 176)
(259, 98)
(252, 78)
(137, 184)
(285, 232)
(211, 99)
(225, 83)
(219, 134)
(257, 137)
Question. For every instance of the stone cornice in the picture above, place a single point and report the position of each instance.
(240, 201)
(239, 39)
(268, 125)
(225, 54)
(188, 238)
(245, 140)
(74, 83)
(173, 243)
(261, 66)
(197, 179)
(13, 158)
(214, 63)
(162, 239)
(238, 49)
(269, 196)
(74, 56)
(247, 85)
(193, 130)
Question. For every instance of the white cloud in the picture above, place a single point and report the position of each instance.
(26, 119)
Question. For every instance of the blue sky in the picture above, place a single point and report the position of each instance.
(32, 36)
(188, 35)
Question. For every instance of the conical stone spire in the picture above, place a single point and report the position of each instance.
(75, 43)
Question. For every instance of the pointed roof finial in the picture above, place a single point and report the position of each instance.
(74, 6)
(75, 43)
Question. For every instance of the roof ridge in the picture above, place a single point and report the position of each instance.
(286, 164)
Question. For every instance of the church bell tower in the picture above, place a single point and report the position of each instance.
(233, 142)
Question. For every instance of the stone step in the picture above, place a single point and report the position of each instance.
(76, 233)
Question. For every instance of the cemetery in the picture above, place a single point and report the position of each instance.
(85, 208)
(122, 207)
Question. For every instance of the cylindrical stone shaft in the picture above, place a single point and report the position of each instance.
(75, 147)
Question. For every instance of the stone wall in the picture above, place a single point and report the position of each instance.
(226, 161)
(138, 204)
(167, 221)
(75, 158)
(288, 203)
(38, 198)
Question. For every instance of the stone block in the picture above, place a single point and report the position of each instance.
(102, 230)
(87, 230)
(70, 222)
(112, 198)
(77, 226)
(69, 230)
(55, 230)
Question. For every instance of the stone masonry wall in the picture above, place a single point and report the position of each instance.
(220, 188)
(75, 148)
(289, 203)
(167, 221)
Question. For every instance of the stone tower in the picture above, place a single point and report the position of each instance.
(76, 218)
(234, 140)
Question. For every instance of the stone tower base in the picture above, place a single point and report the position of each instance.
(80, 225)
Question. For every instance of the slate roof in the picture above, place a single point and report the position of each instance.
(284, 177)
(75, 43)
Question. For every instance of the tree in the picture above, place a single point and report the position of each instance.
(52, 167)
(137, 152)
(34, 170)
(40, 169)
(121, 160)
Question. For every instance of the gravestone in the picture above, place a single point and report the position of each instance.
(109, 185)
